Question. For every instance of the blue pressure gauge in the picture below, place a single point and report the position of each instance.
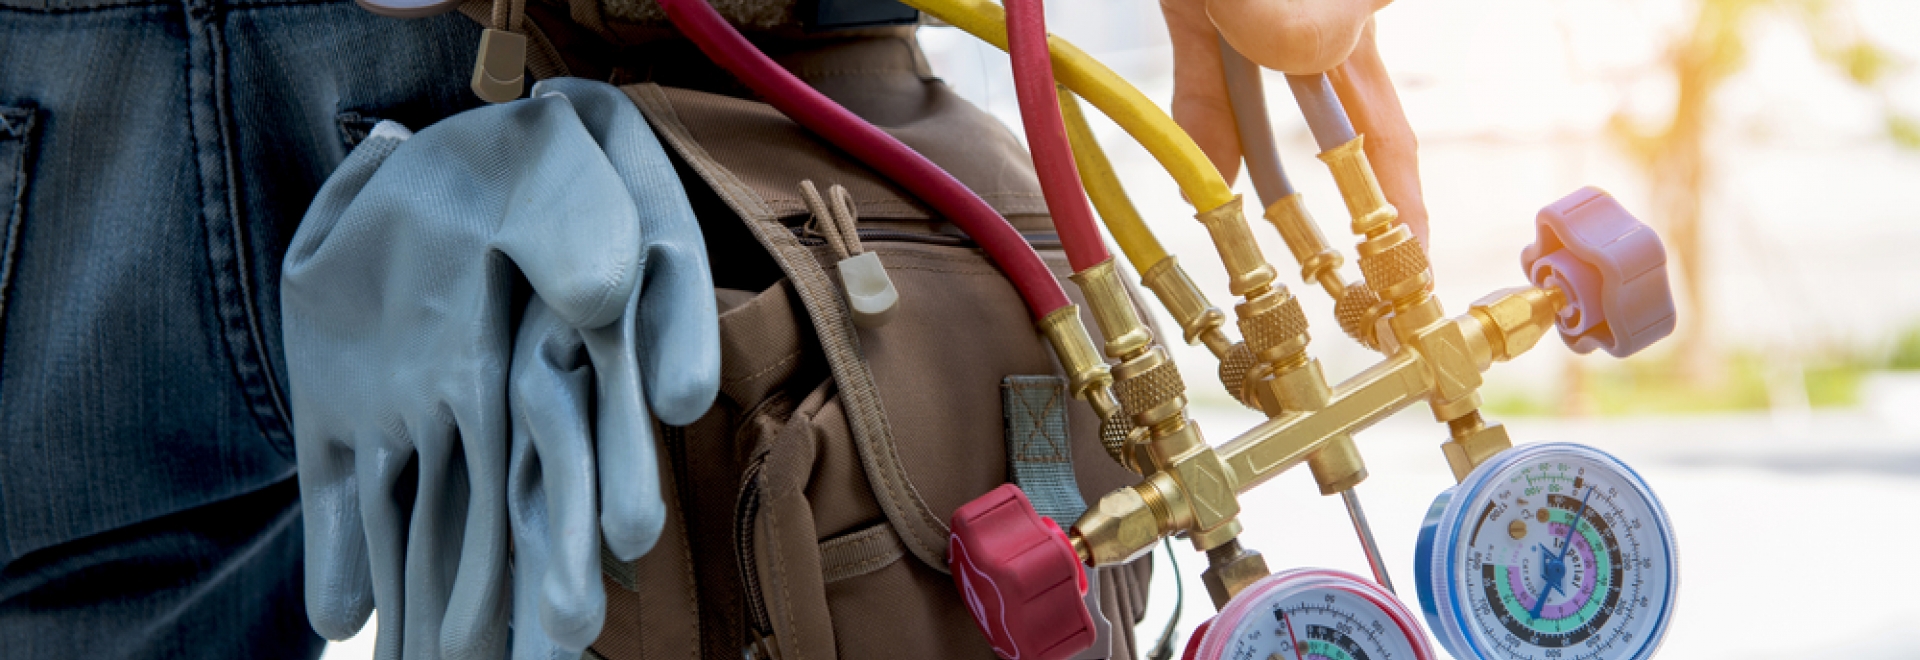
(1552, 550)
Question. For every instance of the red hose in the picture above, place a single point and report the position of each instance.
(1047, 135)
(873, 147)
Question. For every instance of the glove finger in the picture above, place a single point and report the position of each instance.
(679, 331)
(585, 272)
(386, 495)
(338, 585)
(527, 510)
(631, 510)
(552, 400)
(474, 627)
(679, 326)
(434, 536)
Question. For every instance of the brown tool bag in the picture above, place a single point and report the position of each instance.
(808, 508)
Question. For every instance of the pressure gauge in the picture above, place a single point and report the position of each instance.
(1312, 614)
(1548, 551)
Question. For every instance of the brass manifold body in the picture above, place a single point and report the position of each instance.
(1190, 488)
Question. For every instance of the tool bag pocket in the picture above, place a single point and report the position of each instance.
(808, 509)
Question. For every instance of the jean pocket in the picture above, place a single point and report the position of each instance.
(19, 128)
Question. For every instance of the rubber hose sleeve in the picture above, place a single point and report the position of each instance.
(1326, 117)
(1143, 250)
(1106, 90)
(904, 166)
(1247, 94)
(1047, 135)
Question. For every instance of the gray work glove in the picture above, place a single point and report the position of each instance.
(576, 398)
(397, 298)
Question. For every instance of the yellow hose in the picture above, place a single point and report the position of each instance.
(1103, 187)
(1107, 91)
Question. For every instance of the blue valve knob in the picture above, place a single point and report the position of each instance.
(1612, 269)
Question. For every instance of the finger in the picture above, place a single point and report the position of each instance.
(386, 494)
(339, 588)
(1200, 103)
(557, 539)
(631, 509)
(475, 622)
(586, 272)
(1294, 36)
(678, 325)
(434, 537)
(1374, 108)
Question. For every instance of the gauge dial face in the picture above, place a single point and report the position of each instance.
(1551, 551)
(1310, 614)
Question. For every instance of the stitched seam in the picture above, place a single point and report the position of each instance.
(787, 251)
(795, 355)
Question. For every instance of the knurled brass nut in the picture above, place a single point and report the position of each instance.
(1148, 390)
(1270, 327)
(1391, 269)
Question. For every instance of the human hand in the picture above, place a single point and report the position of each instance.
(1297, 37)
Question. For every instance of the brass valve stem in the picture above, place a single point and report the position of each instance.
(1113, 310)
(1248, 273)
(1318, 262)
(1199, 320)
(1088, 377)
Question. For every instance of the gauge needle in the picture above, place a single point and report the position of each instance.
(1554, 569)
(1295, 640)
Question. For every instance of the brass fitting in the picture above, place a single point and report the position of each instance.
(1118, 528)
(1088, 376)
(1337, 465)
(1395, 266)
(1318, 263)
(1199, 321)
(1273, 325)
(1188, 490)
(1113, 310)
(1150, 389)
(1358, 311)
(1513, 320)
(1247, 271)
(1358, 186)
(1231, 569)
(1474, 441)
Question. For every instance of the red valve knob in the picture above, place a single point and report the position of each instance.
(1612, 269)
(1020, 577)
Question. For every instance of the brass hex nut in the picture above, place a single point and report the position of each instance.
(1514, 319)
(1118, 528)
(1470, 448)
(1225, 579)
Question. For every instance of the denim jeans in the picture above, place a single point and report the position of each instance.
(155, 157)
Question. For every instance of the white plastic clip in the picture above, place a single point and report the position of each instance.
(871, 297)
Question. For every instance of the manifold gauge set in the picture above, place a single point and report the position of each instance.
(1540, 550)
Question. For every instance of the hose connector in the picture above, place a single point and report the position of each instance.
(1247, 271)
(1199, 320)
(1113, 310)
(1359, 188)
(1318, 262)
(1088, 377)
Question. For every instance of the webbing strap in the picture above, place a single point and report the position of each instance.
(924, 534)
(1039, 455)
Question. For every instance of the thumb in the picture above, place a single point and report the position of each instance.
(1200, 102)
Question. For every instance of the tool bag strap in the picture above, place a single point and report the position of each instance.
(922, 532)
